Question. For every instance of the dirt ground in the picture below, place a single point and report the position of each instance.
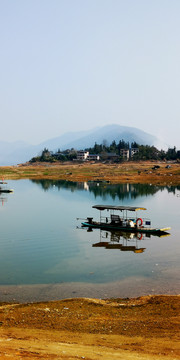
(131, 172)
(140, 328)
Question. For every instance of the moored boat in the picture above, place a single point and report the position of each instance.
(3, 189)
(124, 222)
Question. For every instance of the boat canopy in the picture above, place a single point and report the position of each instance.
(121, 208)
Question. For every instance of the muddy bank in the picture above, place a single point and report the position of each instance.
(128, 287)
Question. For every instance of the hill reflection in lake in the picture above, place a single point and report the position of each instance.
(120, 191)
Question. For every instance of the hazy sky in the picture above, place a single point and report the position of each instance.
(70, 65)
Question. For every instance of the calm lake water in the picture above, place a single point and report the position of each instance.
(45, 255)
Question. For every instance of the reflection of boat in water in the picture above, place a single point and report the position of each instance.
(3, 199)
(124, 223)
(120, 240)
(123, 241)
(3, 188)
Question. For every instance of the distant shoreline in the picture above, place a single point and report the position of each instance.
(157, 173)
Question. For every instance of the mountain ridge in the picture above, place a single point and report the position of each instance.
(20, 152)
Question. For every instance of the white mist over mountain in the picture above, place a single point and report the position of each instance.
(20, 152)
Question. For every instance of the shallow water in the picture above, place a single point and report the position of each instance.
(46, 255)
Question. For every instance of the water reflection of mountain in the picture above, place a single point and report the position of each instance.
(104, 189)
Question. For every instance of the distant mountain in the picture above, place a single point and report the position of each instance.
(112, 132)
(20, 152)
(13, 153)
(65, 139)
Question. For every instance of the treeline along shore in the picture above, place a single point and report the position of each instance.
(160, 173)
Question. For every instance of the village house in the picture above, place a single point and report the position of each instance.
(128, 153)
(125, 153)
(110, 156)
(133, 151)
(85, 156)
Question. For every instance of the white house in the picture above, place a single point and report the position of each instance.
(82, 155)
(85, 156)
(133, 151)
